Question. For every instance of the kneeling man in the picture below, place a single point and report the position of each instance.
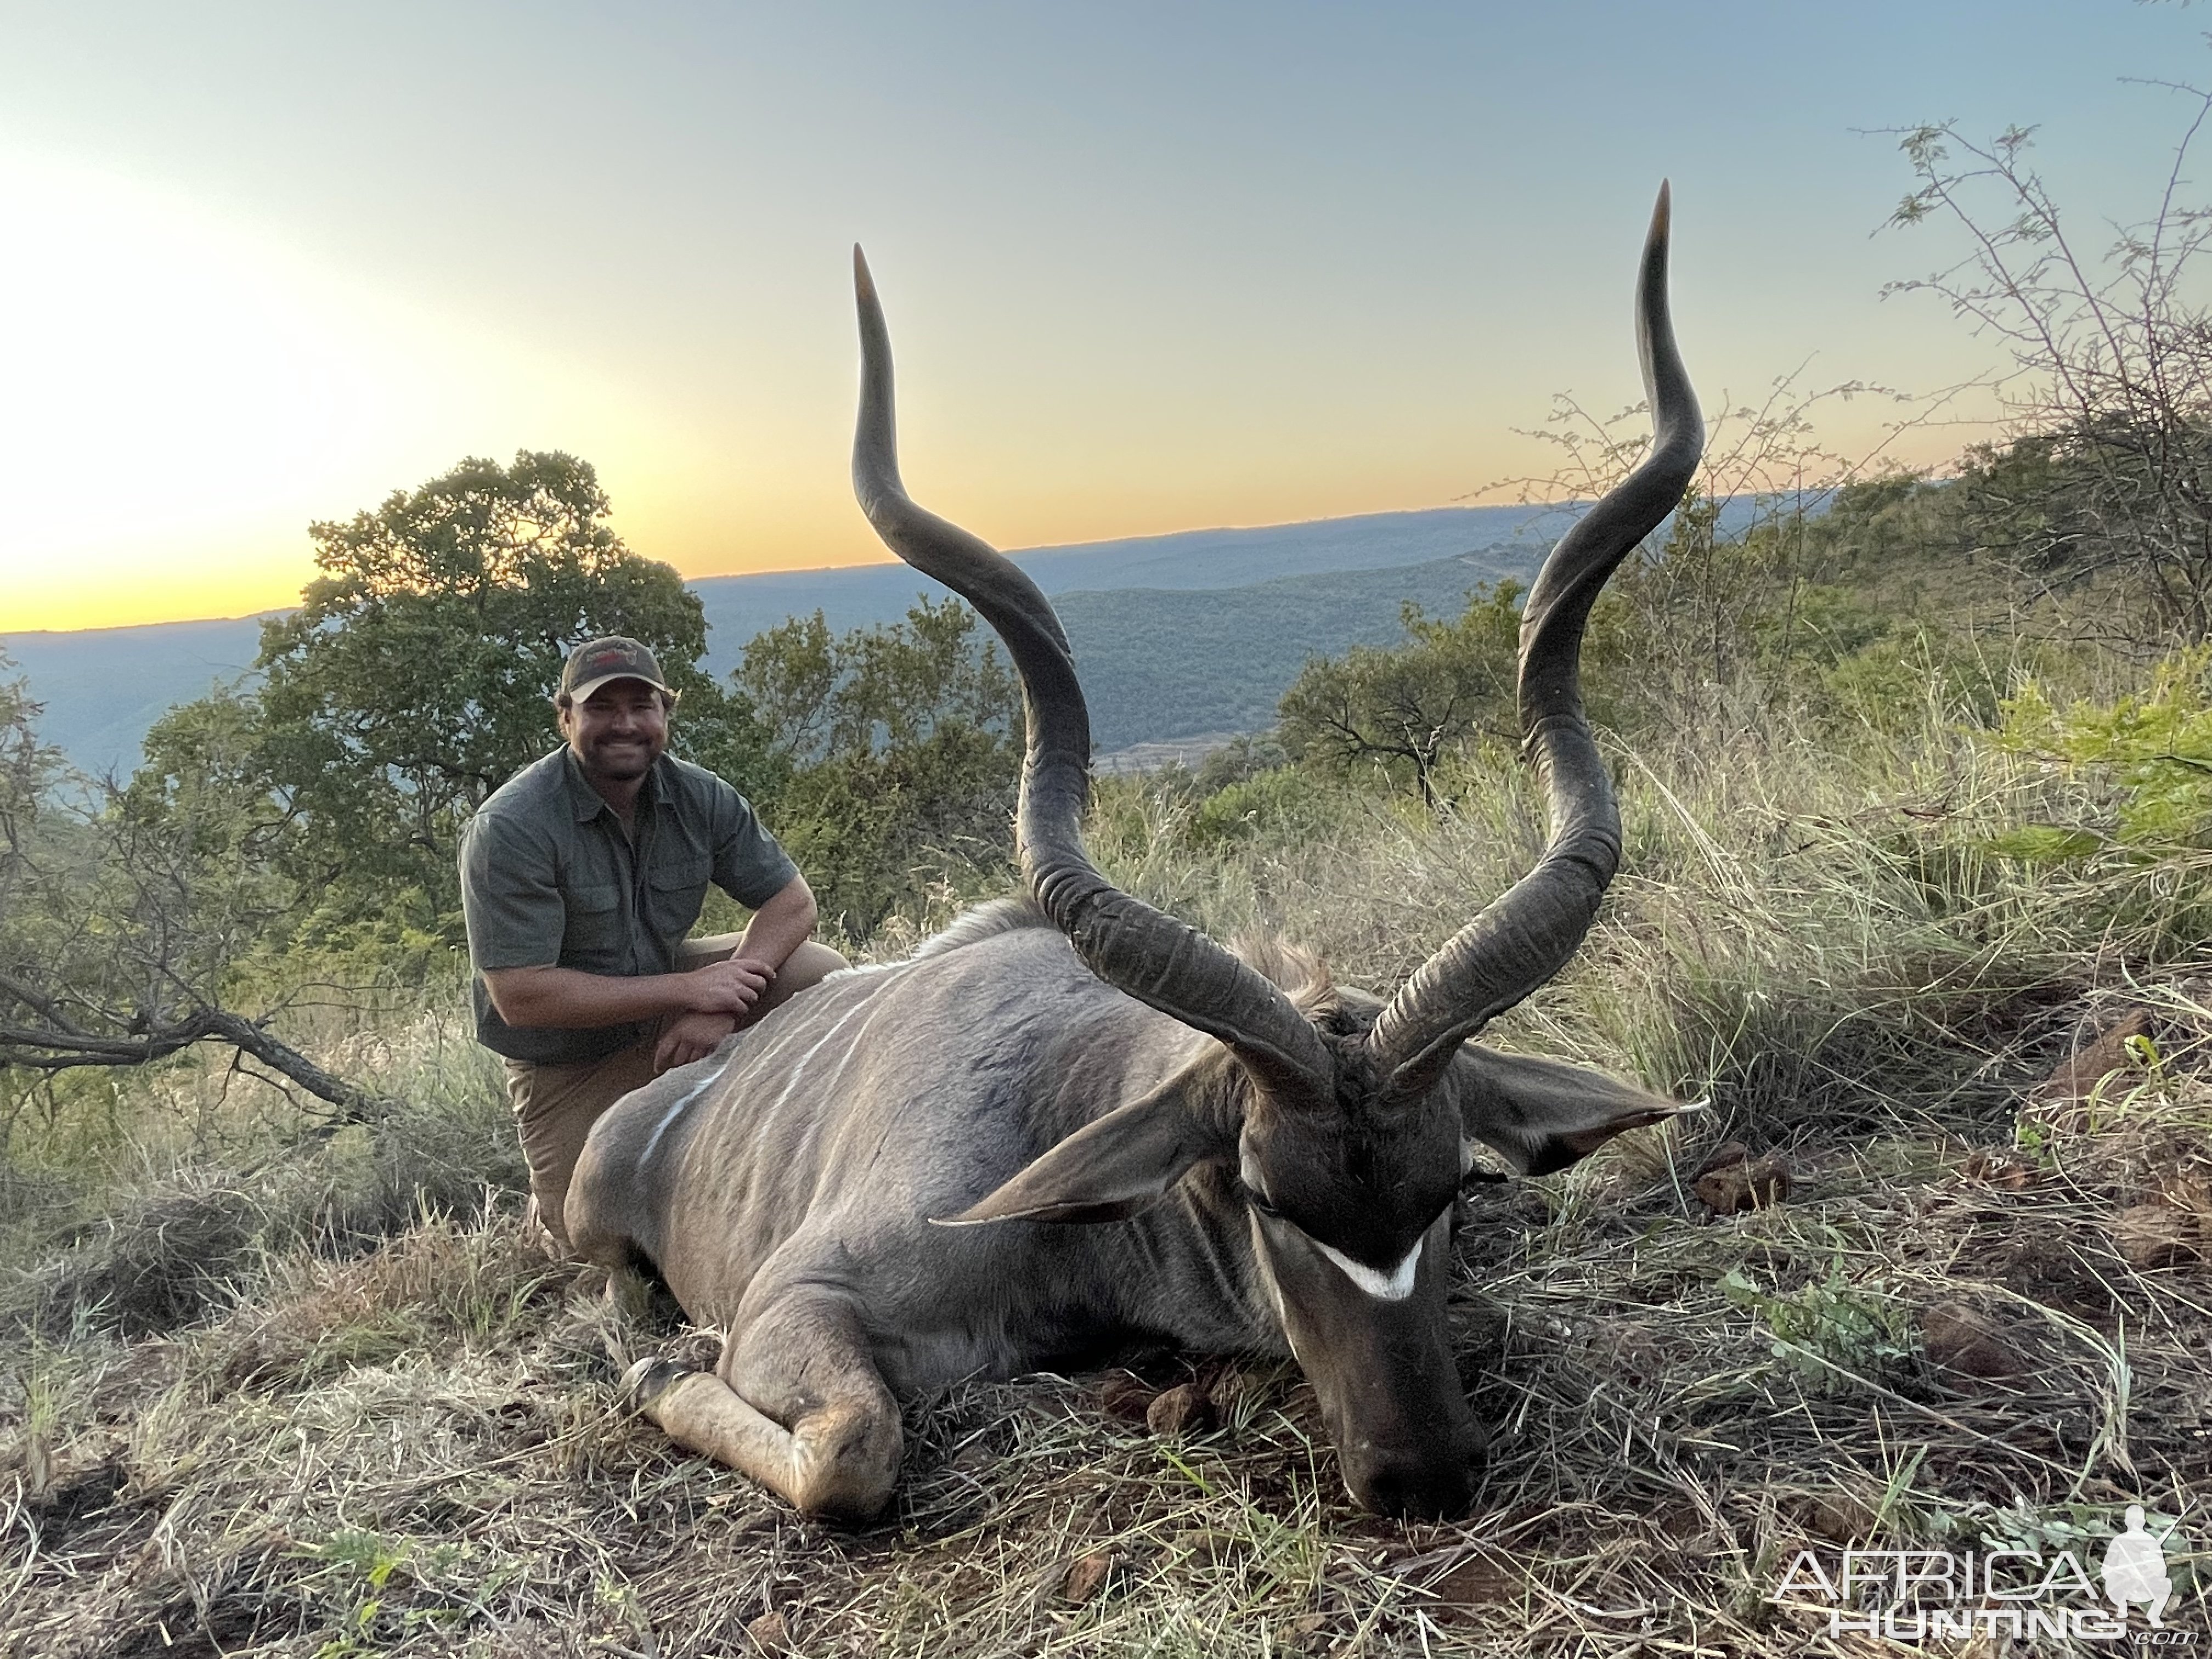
(581, 878)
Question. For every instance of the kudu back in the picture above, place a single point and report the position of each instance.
(1071, 1122)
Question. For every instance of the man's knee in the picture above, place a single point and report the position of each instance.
(555, 1107)
(810, 965)
(692, 954)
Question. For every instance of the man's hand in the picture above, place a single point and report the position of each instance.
(691, 1036)
(728, 988)
(721, 995)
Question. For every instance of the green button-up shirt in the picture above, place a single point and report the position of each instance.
(550, 878)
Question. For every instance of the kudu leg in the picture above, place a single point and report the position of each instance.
(797, 1404)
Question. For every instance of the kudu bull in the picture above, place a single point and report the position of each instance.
(1075, 1121)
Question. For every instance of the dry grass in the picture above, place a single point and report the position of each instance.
(371, 1425)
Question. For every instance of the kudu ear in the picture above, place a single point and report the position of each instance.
(1541, 1116)
(1128, 1161)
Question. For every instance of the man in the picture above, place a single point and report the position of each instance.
(582, 877)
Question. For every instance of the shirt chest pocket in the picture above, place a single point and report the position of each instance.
(673, 894)
(592, 929)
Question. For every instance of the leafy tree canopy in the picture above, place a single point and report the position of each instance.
(817, 697)
(2110, 390)
(418, 675)
(891, 757)
(2151, 751)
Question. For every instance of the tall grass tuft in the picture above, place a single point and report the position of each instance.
(184, 1225)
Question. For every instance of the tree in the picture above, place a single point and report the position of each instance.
(418, 675)
(1709, 622)
(2106, 481)
(27, 768)
(889, 755)
(1403, 708)
(818, 697)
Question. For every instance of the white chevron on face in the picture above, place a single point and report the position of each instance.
(1393, 1286)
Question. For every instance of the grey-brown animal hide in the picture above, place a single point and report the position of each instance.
(820, 1144)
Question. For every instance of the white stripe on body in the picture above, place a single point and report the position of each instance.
(668, 1117)
(851, 1048)
(799, 1069)
(1274, 1290)
(858, 969)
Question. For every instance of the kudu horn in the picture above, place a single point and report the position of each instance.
(1527, 934)
(1146, 952)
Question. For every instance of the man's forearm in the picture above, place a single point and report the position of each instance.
(567, 998)
(779, 926)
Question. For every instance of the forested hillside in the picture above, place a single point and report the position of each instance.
(1159, 663)
(103, 689)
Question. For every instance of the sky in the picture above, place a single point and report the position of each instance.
(1148, 266)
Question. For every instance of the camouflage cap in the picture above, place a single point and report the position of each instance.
(601, 662)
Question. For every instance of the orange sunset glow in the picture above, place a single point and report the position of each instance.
(1226, 275)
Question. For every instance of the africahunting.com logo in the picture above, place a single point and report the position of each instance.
(2048, 1581)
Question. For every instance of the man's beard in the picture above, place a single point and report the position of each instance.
(626, 762)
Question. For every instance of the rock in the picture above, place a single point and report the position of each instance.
(1971, 1345)
(1742, 1183)
(2154, 1235)
(1180, 1410)
(1085, 1576)
(1728, 1153)
(1999, 1169)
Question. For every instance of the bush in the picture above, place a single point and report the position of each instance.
(2150, 753)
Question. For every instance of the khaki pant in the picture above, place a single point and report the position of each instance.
(555, 1106)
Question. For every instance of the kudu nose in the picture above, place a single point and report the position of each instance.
(1429, 1483)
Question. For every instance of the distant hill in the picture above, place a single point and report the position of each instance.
(1158, 665)
(103, 686)
(739, 607)
(1150, 616)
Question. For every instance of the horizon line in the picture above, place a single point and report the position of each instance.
(1536, 509)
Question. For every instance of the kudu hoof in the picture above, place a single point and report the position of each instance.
(643, 1383)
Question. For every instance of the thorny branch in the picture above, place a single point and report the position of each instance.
(2109, 392)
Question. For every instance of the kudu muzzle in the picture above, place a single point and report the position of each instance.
(1382, 1369)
